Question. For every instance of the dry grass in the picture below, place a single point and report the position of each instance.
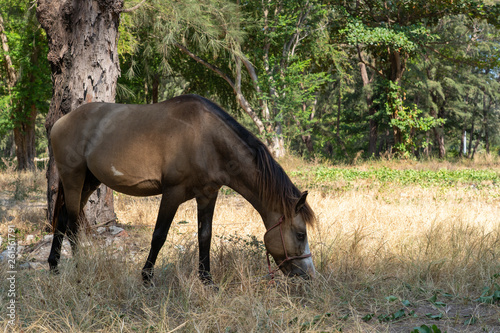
(378, 249)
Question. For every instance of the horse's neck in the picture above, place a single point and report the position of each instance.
(239, 160)
(245, 182)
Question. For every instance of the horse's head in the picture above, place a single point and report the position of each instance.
(286, 240)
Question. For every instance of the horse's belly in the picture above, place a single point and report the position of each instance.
(131, 182)
(144, 188)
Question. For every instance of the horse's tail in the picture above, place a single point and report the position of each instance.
(58, 205)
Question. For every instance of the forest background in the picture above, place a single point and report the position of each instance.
(328, 79)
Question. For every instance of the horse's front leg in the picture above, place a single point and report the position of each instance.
(168, 207)
(206, 205)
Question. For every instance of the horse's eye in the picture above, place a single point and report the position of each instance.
(301, 236)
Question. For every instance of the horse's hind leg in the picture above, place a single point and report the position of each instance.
(90, 184)
(67, 222)
(55, 250)
(168, 207)
(206, 206)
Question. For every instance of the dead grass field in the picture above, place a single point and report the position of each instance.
(390, 257)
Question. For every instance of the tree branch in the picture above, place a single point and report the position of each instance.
(379, 72)
(131, 9)
(459, 61)
(235, 85)
(9, 68)
(207, 65)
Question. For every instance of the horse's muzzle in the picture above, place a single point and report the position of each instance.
(303, 268)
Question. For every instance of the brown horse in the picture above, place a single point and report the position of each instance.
(183, 148)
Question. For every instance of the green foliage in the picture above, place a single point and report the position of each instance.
(395, 39)
(6, 124)
(442, 177)
(422, 77)
(403, 38)
(432, 69)
(28, 51)
(408, 121)
(149, 52)
(426, 329)
(296, 90)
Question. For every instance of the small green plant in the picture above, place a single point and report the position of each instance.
(433, 316)
(490, 295)
(400, 314)
(435, 302)
(426, 329)
(471, 320)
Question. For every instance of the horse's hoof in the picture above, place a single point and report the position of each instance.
(147, 278)
(212, 286)
(209, 283)
(54, 269)
(148, 284)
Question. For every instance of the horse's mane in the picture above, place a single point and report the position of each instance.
(274, 184)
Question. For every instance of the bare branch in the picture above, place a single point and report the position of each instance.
(207, 65)
(379, 72)
(131, 9)
(235, 85)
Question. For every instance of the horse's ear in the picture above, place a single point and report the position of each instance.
(301, 202)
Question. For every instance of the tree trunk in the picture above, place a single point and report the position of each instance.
(463, 137)
(469, 150)
(24, 124)
(438, 130)
(478, 141)
(398, 65)
(9, 68)
(373, 124)
(428, 147)
(337, 125)
(486, 109)
(83, 55)
(277, 146)
(24, 138)
(307, 138)
(439, 138)
(155, 88)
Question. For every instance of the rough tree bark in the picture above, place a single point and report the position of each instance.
(82, 37)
